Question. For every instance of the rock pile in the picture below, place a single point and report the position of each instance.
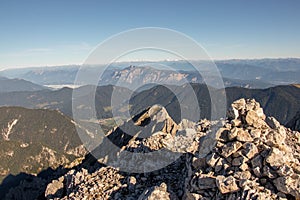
(250, 159)
(248, 156)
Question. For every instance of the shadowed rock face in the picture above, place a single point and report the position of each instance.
(294, 124)
(247, 156)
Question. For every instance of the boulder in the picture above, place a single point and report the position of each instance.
(230, 148)
(203, 182)
(289, 185)
(226, 184)
(157, 192)
(54, 189)
(244, 136)
(272, 122)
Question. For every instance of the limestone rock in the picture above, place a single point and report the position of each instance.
(244, 136)
(249, 150)
(289, 185)
(275, 158)
(157, 192)
(230, 148)
(54, 189)
(226, 184)
(212, 159)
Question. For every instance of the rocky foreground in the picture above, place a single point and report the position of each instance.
(247, 156)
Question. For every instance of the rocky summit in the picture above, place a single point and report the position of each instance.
(246, 156)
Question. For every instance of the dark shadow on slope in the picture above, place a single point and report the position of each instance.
(27, 186)
(35, 185)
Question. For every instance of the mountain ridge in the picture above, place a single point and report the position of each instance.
(255, 73)
(33, 140)
(246, 156)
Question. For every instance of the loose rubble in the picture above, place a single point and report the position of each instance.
(248, 156)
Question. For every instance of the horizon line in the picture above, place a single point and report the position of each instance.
(137, 61)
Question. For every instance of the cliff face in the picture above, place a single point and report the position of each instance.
(247, 156)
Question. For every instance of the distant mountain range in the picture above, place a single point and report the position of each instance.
(261, 73)
(62, 99)
(15, 85)
(281, 102)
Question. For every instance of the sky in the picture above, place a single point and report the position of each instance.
(62, 32)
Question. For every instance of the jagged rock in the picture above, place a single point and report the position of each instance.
(207, 143)
(230, 148)
(233, 133)
(236, 108)
(272, 122)
(257, 161)
(157, 192)
(203, 182)
(275, 138)
(285, 170)
(222, 135)
(236, 122)
(255, 133)
(270, 173)
(239, 104)
(244, 136)
(222, 163)
(245, 175)
(276, 158)
(203, 125)
(244, 167)
(239, 160)
(255, 118)
(212, 159)
(226, 184)
(289, 185)
(55, 189)
(249, 150)
(158, 114)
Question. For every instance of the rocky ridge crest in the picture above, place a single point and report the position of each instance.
(247, 156)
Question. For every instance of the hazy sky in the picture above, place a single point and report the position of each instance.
(39, 33)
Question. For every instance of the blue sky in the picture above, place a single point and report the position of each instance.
(44, 33)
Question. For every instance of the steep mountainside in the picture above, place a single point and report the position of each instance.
(281, 102)
(33, 140)
(13, 85)
(294, 124)
(62, 99)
